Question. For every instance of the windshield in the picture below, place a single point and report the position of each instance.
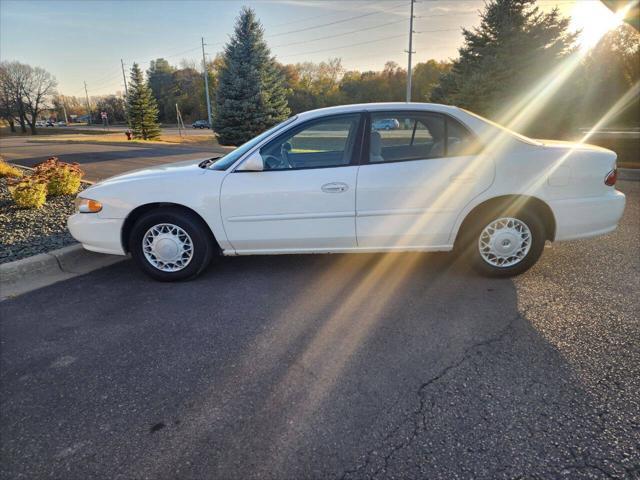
(519, 136)
(230, 158)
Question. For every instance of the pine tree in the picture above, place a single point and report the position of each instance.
(513, 49)
(251, 96)
(142, 109)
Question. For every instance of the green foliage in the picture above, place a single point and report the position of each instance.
(426, 77)
(29, 191)
(515, 47)
(61, 178)
(251, 96)
(610, 70)
(161, 82)
(142, 108)
(8, 171)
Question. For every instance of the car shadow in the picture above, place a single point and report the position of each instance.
(340, 366)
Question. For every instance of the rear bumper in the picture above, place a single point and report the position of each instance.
(587, 217)
(97, 234)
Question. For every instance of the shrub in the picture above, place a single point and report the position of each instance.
(62, 178)
(7, 170)
(29, 191)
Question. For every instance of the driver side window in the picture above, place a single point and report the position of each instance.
(328, 142)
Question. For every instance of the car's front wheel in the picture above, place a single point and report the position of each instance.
(170, 245)
(505, 245)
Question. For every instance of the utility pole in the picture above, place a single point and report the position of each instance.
(206, 84)
(88, 105)
(410, 51)
(124, 77)
(64, 110)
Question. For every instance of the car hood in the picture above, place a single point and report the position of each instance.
(178, 169)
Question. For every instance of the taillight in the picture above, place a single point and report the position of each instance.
(611, 178)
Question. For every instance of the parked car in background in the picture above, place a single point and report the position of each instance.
(385, 124)
(41, 123)
(61, 123)
(50, 123)
(328, 181)
(200, 124)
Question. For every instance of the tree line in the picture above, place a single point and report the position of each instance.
(513, 53)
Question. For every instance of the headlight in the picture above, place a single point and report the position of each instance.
(86, 205)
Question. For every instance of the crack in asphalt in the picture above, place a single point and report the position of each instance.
(419, 416)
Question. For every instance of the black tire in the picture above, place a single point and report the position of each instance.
(469, 244)
(202, 243)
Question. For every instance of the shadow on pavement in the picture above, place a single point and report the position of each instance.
(343, 366)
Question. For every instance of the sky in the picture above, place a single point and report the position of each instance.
(84, 40)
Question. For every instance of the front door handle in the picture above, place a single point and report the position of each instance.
(335, 187)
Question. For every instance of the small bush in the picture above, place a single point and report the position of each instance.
(62, 178)
(29, 191)
(7, 170)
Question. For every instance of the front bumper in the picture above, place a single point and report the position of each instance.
(587, 217)
(97, 234)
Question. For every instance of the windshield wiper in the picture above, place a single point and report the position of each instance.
(208, 161)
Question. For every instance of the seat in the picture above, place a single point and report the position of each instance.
(375, 148)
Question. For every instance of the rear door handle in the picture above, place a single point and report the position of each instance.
(335, 187)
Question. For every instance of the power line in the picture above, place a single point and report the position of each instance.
(346, 46)
(339, 34)
(336, 22)
(370, 41)
(316, 17)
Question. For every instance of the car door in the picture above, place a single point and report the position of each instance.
(415, 180)
(304, 200)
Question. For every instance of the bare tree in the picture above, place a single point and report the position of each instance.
(38, 90)
(24, 93)
(14, 77)
(7, 99)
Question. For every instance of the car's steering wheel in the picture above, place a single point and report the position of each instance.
(273, 162)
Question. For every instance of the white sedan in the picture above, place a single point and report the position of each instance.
(326, 181)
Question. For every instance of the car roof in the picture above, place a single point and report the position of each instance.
(381, 106)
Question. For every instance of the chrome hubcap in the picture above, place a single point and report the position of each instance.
(505, 242)
(167, 247)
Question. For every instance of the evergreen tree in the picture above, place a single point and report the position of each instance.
(512, 50)
(251, 96)
(142, 108)
(161, 82)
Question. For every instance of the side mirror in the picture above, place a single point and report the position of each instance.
(252, 164)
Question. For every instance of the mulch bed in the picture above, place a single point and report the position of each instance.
(27, 232)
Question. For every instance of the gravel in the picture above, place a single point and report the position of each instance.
(26, 232)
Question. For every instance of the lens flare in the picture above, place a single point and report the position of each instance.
(594, 20)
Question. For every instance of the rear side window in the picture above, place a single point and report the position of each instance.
(460, 141)
(395, 137)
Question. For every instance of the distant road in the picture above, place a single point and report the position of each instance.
(100, 161)
(168, 129)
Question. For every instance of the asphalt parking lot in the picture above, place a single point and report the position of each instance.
(103, 160)
(342, 366)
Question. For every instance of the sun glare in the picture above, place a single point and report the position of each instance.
(594, 20)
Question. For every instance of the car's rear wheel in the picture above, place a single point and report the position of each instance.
(170, 245)
(504, 245)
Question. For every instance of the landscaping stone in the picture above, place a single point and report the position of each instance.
(26, 232)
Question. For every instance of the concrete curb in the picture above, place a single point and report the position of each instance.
(44, 269)
(629, 174)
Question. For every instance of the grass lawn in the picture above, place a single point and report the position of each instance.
(49, 131)
(119, 137)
